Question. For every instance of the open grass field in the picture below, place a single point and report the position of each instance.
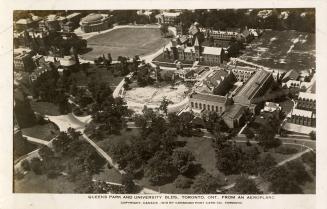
(99, 74)
(32, 183)
(125, 42)
(45, 108)
(44, 132)
(283, 50)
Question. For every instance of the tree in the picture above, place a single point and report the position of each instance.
(129, 185)
(244, 185)
(164, 105)
(161, 169)
(282, 181)
(164, 30)
(183, 182)
(182, 160)
(249, 134)
(229, 159)
(45, 153)
(312, 135)
(206, 184)
(266, 138)
(36, 166)
(298, 171)
(25, 164)
(265, 163)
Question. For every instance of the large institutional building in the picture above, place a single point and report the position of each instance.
(169, 18)
(189, 54)
(95, 23)
(208, 102)
(254, 87)
(305, 111)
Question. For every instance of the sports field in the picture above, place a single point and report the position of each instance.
(125, 42)
(283, 50)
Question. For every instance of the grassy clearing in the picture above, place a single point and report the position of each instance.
(126, 42)
(100, 75)
(284, 50)
(32, 183)
(44, 132)
(113, 140)
(45, 108)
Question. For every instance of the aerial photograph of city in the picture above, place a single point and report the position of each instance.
(164, 101)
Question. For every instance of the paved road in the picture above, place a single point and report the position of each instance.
(294, 157)
(36, 140)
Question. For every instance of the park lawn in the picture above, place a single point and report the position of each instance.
(45, 108)
(100, 75)
(204, 155)
(283, 50)
(108, 175)
(203, 152)
(45, 132)
(32, 183)
(113, 140)
(126, 42)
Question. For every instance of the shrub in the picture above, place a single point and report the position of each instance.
(36, 166)
(286, 150)
(183, 182)
(26, 165)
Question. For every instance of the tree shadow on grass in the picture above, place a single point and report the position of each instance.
(86, 50)
(194, 170)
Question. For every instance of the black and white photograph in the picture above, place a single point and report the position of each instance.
(164, 101)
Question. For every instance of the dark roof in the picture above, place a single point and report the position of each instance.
(291, 75)
(234, 112)
(209, 97)
(217, 76)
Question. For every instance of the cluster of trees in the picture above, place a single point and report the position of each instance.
(107, 112)
(123, 17)
(231, 159)
(152, 152)
(70, 155)
(143, 75)
(297, 19)
(50, 87)
(288, 178)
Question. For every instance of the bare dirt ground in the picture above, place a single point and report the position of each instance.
(153, 95)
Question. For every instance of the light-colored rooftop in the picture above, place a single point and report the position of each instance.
(303, 113)
(307, 95)
(72, 15)
(171, 14)
(24, 21)
(212, 50)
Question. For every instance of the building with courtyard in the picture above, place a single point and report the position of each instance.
(243, 74)
(218, 82)
(95, 22)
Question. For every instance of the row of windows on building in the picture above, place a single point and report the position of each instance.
(300, 120)
(206, 107)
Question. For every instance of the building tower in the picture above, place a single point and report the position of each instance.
(197, 48)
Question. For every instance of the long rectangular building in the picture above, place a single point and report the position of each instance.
(254, 87)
